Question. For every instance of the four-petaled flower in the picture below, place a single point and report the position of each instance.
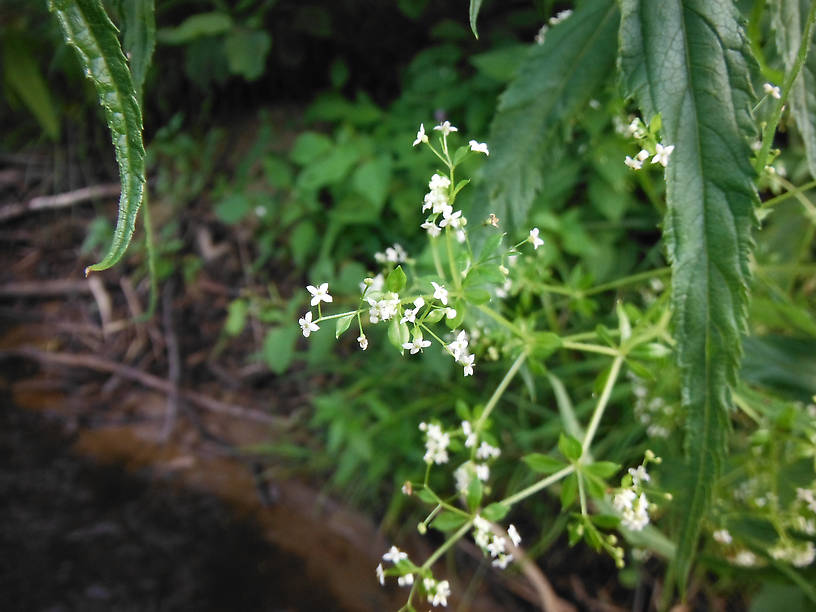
(662, 154)
(381, 574)
(307, 326)
(537, 242)
(467, 362)
(394, 555)
(416, 345)
(421, 136)
(479, 147)
(432, 228)
(319, 294)
(440, 293)
(446, 128)
(362, 341)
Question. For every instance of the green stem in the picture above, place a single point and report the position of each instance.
(500, 319)
(447, 544)
(801, 197)
(773, 122)
(500, 389)
(457, 278)
(150, 245)
(336, 316)
(590, 348)
(538, 486)
(602, 401)
(628, 280)
(788, 194)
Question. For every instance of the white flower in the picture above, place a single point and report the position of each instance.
(662, 154)
(537, 242)
(745, 558)
(496, 546)
(380, 574)
(440, 293)
(502, 561)
(394, 555)
(634, 164)
(470, 435)
(639, 475)
(486, 451)
(432, 229)
(722, 536)
(446, 128)
(411, 313)
(459, 347)
(774, 91)
(306, 324)
(643, 155)
(467, 362)
(438, 182)
(454, 219)
(436, 444)
(406, 580)
(542, 33)
(513, 534)
(561, 16)
(636, 129)
(363, 341)
(450, 313)
(319, 294)
(421, 137)
(479, 147)
(442, 591)
(416, 345)
(482, 472)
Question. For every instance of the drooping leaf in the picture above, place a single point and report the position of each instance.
(688, 61)
(475, 5)
(554, 81)
(789, 18)
(139, 28)
(87, 28)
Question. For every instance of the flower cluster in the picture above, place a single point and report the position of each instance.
(397, 557)
(661, 156)
(630, 501)
(459, 350)
(437, 591)
(436, 443)
(493, 544)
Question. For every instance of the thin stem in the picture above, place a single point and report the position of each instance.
(773, 122)
(457, 278)
(541, 484)
(500, 389)
(788, 194)
(339, 315)
(599, 409)
(628, 280)
(582, 495)
(590, 348)
(799, 195)
(447, 544)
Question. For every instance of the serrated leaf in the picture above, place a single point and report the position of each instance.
(789, 18)
(688, 61)
(475, 5)
(543, 464)
(343, 324)
(554, 81)
(139, 25)
(87, 28)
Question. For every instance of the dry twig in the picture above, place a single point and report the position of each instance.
(62, 200)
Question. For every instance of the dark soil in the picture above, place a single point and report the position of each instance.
(76, 535)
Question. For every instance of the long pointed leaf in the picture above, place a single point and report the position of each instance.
(87, 28)
(475, 5)
(687, 60)
(555, 80)
(139, 19)
(790, 18)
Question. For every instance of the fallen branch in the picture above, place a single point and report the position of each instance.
(45, 288)
(61, 200)
(148, 380)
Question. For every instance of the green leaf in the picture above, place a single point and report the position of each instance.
(396, 280)
(371, 180)
(87, 28)
(25, 78)
(236, 317)
(602, 469)
(789, 18)
(555, 81)
(688, 61)
(475, 5)
(139, 25)
(569, 447)
(569, 491)
(496, 511)
(279, 348)
(343, 324)
(474, 493)
(448, 521)
(246, 52)
(543, 464)
(196, 26)
(426, 496)
(398, 333)
(490, 247)
(309, 146)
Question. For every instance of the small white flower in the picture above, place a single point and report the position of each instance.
(436, 444)
(479, 147)
(486, 451)
(440, 293)
(454, 219)
(561, 16)
(394, 555)
(496, 546)
(482, 471)
(416, 345)
(380, 574)
(450, 313)
(662, 154)
(421, 136)
(406, 580)
(319, 294)
(639, 475)
(502, 561)
(446, 128)
(643, 155)
(432, 229)
(306, 324)
(537, 242)
(634, 164)
(467, 362)
(745, 558)
(459, 347)
(513, 534)
(775, 92)
(722, 536)
(442, 592)
(362, 341)
(470, 435)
